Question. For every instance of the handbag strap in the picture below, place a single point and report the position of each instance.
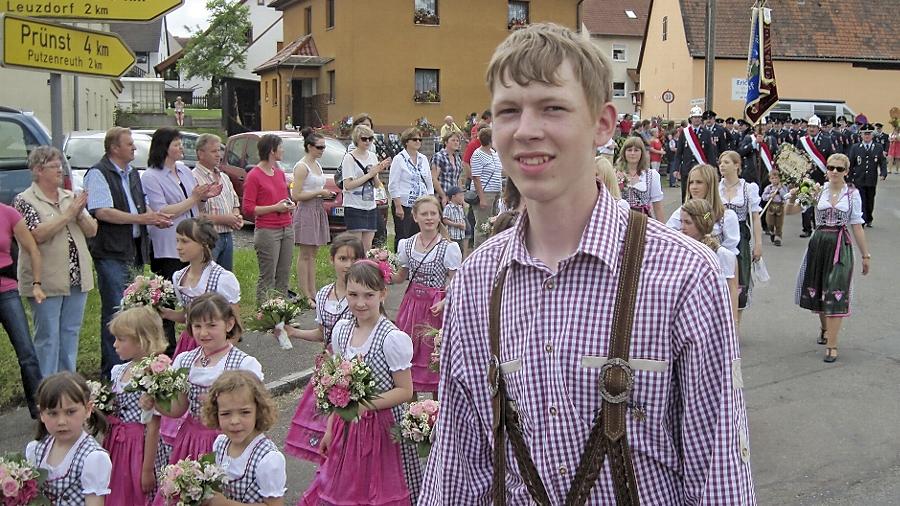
(607, 436)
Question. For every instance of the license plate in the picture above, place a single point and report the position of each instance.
(338, 211)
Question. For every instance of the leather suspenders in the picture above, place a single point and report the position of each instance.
(607, 437)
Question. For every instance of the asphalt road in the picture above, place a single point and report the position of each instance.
(821, 434)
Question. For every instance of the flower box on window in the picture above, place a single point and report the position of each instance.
(426, 17)
(516, 23)
(426, 97)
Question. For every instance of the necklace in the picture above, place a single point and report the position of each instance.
(731, 185)
(205, 359)
(426, 247)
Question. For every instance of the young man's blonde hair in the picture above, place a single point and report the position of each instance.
(143, 324)
(537, 52)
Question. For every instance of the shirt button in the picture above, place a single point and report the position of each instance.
(553, 410)
(549, 348)
(563, 470)
(549, 284)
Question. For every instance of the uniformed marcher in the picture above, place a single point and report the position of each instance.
(716, 131)
(818, 146)
(882, 137)
(695, 146)
(752, 168)
(773, 134)
(867, 162)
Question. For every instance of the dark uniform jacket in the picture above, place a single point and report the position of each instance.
(684, 157)
(824, 144)
(866, 164)
(752, 166)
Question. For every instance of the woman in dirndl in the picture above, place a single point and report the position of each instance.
(824, 282)
(429, 259)
(742, 197)
(310, 220)
(639, 183)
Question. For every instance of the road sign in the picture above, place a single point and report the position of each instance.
(39, 45)
(668, 96)
(698, 102)
(93, 10)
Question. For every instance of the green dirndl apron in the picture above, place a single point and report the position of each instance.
(827, 272)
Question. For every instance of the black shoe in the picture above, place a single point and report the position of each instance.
(777, 241)
(868, 225)
(805, 234)
(822, 338)
(829, 356)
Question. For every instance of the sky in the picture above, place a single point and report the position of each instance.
(192, 13)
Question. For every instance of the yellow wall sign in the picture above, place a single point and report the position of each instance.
(39, 45)
(96, 10)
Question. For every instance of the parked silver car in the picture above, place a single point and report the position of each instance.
(84, 149)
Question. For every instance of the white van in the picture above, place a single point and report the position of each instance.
(803, 109)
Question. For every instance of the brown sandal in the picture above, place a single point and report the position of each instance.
(829, 356)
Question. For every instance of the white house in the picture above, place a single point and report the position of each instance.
(143, 91)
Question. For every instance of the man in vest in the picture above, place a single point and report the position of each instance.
(695, 146)
(818, 146)
(116, 200)
(867, 162)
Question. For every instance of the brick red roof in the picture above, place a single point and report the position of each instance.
(837, 30)
(607, 17)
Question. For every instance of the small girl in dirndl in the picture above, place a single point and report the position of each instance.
(429, 259)
(308, 426)
(641, 186)
(824, 282)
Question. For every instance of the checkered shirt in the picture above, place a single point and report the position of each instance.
(66, 491)
(430, 270)
(384, 381)
(128, 407)
(196, 392)
(448, 171)
(326, 318)
(245, 489)
(223, 203)
(688, 427)
(455, 214)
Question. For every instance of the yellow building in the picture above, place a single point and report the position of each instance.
(397, 60)
(828, 50)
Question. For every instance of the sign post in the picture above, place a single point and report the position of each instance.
(91, 10)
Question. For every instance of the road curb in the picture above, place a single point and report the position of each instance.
(290, 382)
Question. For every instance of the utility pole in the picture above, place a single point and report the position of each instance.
(710, 51)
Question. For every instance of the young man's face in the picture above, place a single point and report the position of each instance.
(546, 136)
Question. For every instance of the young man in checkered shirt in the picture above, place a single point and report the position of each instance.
(686, 422)
(455, 219)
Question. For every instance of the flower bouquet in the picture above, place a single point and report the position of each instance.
(808, 193)
(417, 425)
(434, 361)
(341, 385)
(387, 262)
(154, 376)
(149, 291)
(102, 397)
(621, 180)
(486, 228)
(274, 314)
(191, 482)
(20, 482)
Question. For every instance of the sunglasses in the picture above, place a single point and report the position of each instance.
(319, 147)
(367, 139)
(416, 139)
(839, 169)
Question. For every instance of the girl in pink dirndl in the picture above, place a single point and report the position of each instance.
(363, 464)
(196, 239)
(213, 323)
(308, 426)
(429, 259)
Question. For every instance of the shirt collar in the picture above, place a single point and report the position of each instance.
(213, 172)
(600, 239)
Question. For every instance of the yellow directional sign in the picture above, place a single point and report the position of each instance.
(39, 45)
(96, 10)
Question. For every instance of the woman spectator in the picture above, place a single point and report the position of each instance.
(640, 184)
(487, 181)
(310, 220)
(362, 119)
(12, 313)
(267, 199)
(170, 188)
(179, 111)
(656, 150)
(823, 285)
(361, 172)
(409, 179)
(60, 224)
(446, 166)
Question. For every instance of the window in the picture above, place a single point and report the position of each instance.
(235, 151)
(329, 13)
(141, 58)
(630, 14)
(428, 86)
(248, 36)
(426, 12)
(665, 31)
(618, 52)
(266, 92)
(518, 15)
(171, 74)
(307, 20)
(619, 90)
(331, 87)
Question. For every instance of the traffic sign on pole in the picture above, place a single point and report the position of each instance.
(39, 45)
(91, 10)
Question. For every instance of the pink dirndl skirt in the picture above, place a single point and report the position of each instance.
(306, 430)
(125, 444)
(364, 451)
(414, 317)
(193, 441)
(185, 343)
(168, 427)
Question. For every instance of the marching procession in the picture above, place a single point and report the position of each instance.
(560, 339)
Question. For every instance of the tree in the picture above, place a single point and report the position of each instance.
(211, 52)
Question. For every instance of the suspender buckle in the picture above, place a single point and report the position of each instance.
(624, 391)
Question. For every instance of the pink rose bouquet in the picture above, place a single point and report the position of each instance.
(191, 482)
(153, 375)
(274, 314)
(342, 385)
(387, 262)
(149, 291)
(20, 482)
(417, 425)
